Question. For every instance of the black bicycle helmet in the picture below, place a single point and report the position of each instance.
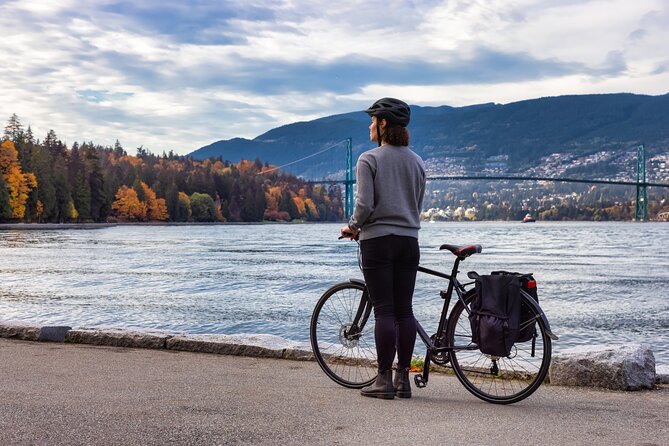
(393, 110)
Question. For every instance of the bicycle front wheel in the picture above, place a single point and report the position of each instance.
(342, 335)
(501, 380)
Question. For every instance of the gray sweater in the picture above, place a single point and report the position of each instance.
(391, 185)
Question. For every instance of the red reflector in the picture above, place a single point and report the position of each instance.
(531, 284)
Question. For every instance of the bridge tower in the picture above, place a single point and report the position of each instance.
(348, 194)
(641, 199)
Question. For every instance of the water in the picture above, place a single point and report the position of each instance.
(598, 282)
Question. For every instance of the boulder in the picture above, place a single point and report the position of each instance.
(618, 367)
(117, 338)
(17, 331)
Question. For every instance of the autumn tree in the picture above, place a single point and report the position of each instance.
(127, 206)
(156, 209)
(273, 198)
(17, 183)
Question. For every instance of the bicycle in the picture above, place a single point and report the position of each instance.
(342, 339)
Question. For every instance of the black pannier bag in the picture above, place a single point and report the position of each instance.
(495, 313)
(528, 330)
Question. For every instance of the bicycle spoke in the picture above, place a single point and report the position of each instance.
(342, 351)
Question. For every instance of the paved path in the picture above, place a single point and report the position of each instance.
(53, 394)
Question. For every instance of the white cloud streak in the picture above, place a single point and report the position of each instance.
(168, 77)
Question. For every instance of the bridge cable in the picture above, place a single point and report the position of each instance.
(302, 159)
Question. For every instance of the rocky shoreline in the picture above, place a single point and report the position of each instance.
(624, 367)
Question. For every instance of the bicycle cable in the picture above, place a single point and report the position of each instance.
(359, 255)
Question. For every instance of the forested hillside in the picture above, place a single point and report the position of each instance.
(45, 181)
(522, 133)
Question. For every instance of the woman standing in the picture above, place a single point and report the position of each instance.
(388, 201)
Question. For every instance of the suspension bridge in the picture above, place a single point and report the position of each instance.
(641, 212)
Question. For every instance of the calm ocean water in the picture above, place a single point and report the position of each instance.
(598, 282)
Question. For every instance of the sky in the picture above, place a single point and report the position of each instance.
(178, 75)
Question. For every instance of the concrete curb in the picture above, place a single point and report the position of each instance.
(259, 345)
(662, 374)
(19, 331)
(117, 338)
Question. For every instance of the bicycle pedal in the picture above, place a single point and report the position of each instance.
(419, 381)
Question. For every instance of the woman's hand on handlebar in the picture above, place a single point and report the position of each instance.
(348, 233)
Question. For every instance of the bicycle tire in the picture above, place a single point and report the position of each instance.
(349, 361)
(517, 376)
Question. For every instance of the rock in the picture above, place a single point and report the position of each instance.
(618, 367)
(53, 334)
(266, 346)
(662, 374)
(17, 331)
(117, 338)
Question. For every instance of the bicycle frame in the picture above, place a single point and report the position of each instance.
(433, 346)
(364, 310)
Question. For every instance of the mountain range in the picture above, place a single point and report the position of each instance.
(512, 136)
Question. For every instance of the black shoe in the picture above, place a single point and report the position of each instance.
(401, 384)
(382, 387)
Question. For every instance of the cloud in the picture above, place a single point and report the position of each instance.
(193, 22)
(177, 75)
(100, 96)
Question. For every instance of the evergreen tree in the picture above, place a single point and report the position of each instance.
(99, 206)
(63, 191)
(5, 208)
(137, 185)
(55, 146)
(46, 191)
(183, 211)
(172, 201)
(118, 150)
(13, 129)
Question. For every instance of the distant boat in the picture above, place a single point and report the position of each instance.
(528, 219)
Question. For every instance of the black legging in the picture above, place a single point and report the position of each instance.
(389, 265)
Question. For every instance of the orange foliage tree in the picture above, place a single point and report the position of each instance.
(299, 203)
(273, 197)
(18, 183)
(127, 206)
(156, 208)
(311, 209)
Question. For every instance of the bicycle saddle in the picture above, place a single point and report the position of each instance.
(463, 251)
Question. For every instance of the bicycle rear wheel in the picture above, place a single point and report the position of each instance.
(500, 380)
(342, 335)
